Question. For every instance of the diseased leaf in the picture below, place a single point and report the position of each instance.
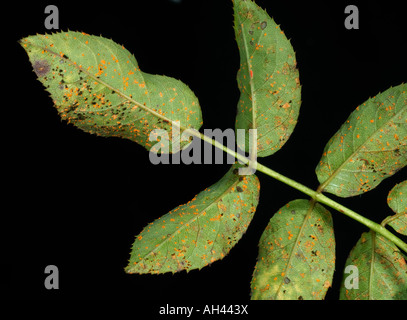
(369, 147)
(200, 232)
(397, 200)
(268, 79)
(296, 254)
(98, 86)
(382, 270)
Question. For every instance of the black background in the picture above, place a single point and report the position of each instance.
(77, 201)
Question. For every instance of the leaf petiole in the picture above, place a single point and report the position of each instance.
(316, 195)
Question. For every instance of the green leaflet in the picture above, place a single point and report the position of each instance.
(382, 270)
(98, 86)
(268, 79)
(397, 201)
(296, 254)
(369, 147)
(200, 232)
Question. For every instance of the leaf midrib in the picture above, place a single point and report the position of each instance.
(252, 91)
(372, 262)
(251, 76)
(296, 245)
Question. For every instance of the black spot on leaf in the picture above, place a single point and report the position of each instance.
(41, 67)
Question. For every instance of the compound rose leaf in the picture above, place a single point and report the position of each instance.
(381, 271)
(98, 86)
(200, 232)
(369, 147)
(296, 258)
(268, 79)
(397, 201)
